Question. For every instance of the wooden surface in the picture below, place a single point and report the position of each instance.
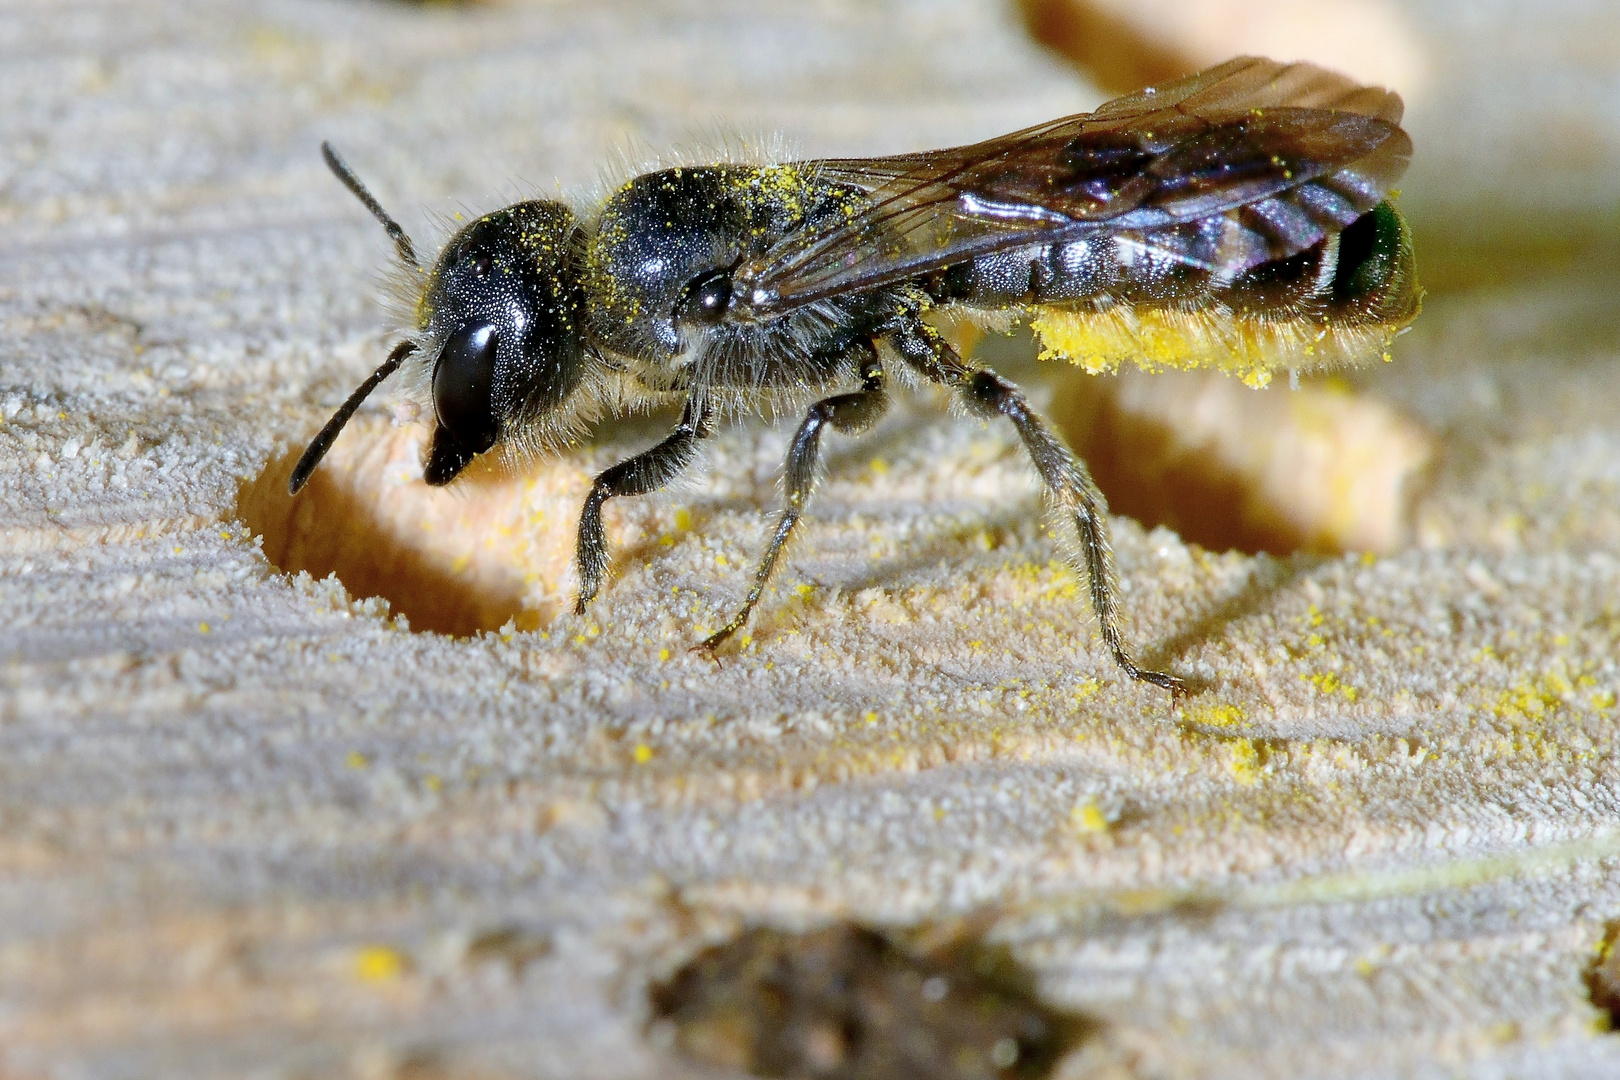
(251, 825)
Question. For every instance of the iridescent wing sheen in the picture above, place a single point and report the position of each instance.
(1237, 165)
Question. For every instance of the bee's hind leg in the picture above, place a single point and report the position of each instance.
(645, 473)
(988, 394)
(849, 413)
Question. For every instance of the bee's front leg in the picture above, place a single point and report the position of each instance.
(646, 472)
(849, 413)
(1070, 484)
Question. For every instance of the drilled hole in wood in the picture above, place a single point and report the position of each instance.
(1124, 45)
(492, 548)
(1320, 469)
(848, 1002)
(1603, 977)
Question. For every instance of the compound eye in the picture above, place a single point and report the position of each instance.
(708, 296)
(463, 386)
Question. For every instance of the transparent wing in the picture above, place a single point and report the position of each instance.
(1278, 154)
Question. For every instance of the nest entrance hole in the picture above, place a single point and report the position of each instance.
(1321, 469)
(489, 550)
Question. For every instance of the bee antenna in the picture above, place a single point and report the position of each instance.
(323, 442)
(340, 169)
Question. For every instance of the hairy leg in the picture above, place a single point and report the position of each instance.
(1071, 486)
(646, 472)
(848, 413)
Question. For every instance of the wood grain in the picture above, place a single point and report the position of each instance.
(252, 825)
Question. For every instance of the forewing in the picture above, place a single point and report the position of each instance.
(1253, 82)
(1285, 152)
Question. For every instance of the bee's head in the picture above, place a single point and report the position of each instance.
(500, 324)
(499, 338)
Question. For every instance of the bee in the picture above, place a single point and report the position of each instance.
(1238, 218)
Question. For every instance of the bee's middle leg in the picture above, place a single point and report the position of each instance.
(849, 413)
(645, 473)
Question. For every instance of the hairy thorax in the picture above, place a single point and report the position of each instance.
(658, 280)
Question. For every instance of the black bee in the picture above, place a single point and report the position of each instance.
(1236, 219)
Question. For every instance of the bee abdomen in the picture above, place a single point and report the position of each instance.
(1375, 279)
(1337, 303)
(1276, 246)
(1040, 273)
(1364, 274)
